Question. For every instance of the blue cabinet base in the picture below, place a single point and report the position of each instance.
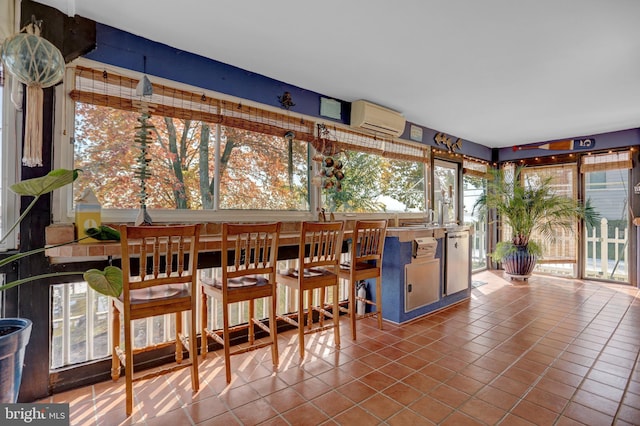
(396, 255)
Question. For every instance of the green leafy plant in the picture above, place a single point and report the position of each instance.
(107, 282)
(528, 207)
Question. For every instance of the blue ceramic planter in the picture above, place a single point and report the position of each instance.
(12, 346)
(519, 265)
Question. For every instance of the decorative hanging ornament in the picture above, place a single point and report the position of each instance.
(38, 64)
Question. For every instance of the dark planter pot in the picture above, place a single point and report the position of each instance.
(14, 336)
(519, 265)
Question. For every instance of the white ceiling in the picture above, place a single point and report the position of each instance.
(496, 72)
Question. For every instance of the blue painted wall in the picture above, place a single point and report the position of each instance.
(125, 50)
(620, 139)
(129, 51)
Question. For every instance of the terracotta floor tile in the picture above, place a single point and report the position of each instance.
(523, 376)
(377, 380)
(546, 399)
(629, 414)
(305, 414)
(402, 393)
(563, 377)
(178, 416)
(491, 364)
(448, 395)
(606, 391)
(509, 385)
(465, 384)
(534, 413)
(254, 412)
(497, 397)
(413, 362)
(451, 363)
(268, 385)
(381, 406)
(356, 391)
(311, 388)
(408, 417)
(431, 409)
(478, 373)
(332, 403)
(206, 408)
(586, 415)
(374, 360)
(522, 354)
(354, 416)
(284, 400)
(421, 382)
(483, 411)
(631, 399)
(596, 402)
(396, 370)
(460, 419)
(513, 420)
(437, 372)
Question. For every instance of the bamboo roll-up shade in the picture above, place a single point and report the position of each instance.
(604, 162)
(235, 114)
(406, 152)
(564, 182)
(106, 88)
(475, 168)
(332, 139)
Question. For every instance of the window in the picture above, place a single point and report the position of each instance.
(212, 153)
(445, 191)
(559, 256)
(257, 171)
(474, 185)
(9, 119)
(373, 183)
(606, 246)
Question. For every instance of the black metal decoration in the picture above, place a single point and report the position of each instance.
(286, 101)
(142, 139)
(289, 137)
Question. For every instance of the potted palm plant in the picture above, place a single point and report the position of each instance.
(528, 207)
(15, 332)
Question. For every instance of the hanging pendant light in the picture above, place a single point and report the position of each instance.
(38, 64)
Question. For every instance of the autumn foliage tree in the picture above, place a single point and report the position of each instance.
(253, 167)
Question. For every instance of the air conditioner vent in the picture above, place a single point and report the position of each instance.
(376, 118)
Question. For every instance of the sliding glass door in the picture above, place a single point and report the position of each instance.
(606, 180)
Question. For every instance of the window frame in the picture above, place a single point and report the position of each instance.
(64, 157)
(9, 157)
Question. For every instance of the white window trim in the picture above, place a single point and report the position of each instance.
(11, 133)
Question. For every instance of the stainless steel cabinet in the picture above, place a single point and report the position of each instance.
(422, 283)
(457, 266)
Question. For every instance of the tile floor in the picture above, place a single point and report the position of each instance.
(547, 352)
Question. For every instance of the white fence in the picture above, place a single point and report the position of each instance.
(606, 254)
(82, 318)
(613, 261)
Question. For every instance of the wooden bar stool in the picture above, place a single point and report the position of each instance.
(164, 281)
(365, 263)
(319, 266)
(248, 275)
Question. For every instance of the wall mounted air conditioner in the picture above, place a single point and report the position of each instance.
(375, 118)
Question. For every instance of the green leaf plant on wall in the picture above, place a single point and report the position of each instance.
(107, 282)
